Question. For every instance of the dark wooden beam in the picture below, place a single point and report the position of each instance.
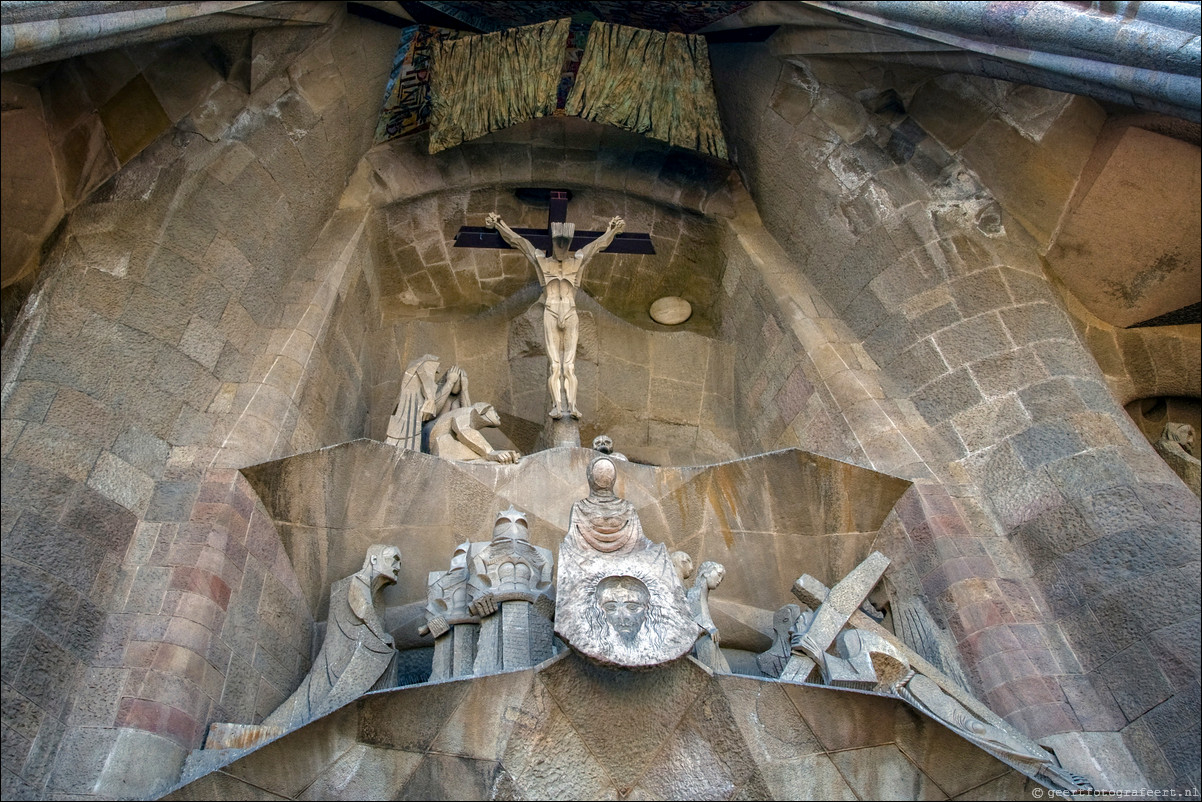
(482, 237)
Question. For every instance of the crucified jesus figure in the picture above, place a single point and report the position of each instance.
(560, 276)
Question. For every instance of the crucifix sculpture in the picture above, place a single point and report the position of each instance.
(560, 274)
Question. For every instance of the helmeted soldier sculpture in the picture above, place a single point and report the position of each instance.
(511, 583)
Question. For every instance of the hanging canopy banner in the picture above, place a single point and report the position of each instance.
(481, 84)
(653, 83)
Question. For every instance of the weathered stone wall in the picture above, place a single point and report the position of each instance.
(70, 125)
(1027, 144)
(186, 322)
(947, 293)
(781, 399)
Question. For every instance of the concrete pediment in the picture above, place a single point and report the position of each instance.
(568, 729)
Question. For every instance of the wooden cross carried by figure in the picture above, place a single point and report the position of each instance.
(482, 237)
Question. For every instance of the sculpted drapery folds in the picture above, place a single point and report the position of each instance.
(357, 653)
(603, 521)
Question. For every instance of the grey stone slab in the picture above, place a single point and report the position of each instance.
(649, 705)
(983, 291)
(915, 367)
(547, 759)
(1046, 442)
(1172, 590)
(220, 787)
(1114, 510)
(1136, 699)
(411, 723)
(450, 777)
(364, 772)
(769, 722)
(947, 396)
(1091, 472)
(882, 772)
(115, 762)
(480, 726)
(973, 340)
(1148, 754)
(172, 501)
(811, 777)
(844, 720)
(953, 764)
(1009, 786)
(291, 764)
(707, 756)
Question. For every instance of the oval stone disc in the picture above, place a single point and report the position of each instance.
(671, 310)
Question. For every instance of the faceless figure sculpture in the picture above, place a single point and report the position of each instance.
(560, 275)
(511, 580)
(603, 521)
(449, 619)
(623, 601)
(424, 397)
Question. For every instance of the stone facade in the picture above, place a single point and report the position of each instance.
(879, 279)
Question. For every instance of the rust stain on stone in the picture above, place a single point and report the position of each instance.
(721, 496)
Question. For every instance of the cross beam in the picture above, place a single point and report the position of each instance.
(482, 237)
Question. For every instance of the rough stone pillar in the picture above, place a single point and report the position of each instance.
(489, 659)
(463, 652)
(516, 649)
(1059, 549)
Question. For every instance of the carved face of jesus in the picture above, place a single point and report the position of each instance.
(624, 601)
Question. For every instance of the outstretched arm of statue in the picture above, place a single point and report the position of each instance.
(615, 227)
(471, 437)
(493, 220)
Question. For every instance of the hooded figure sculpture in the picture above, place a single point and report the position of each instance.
(603, 521)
